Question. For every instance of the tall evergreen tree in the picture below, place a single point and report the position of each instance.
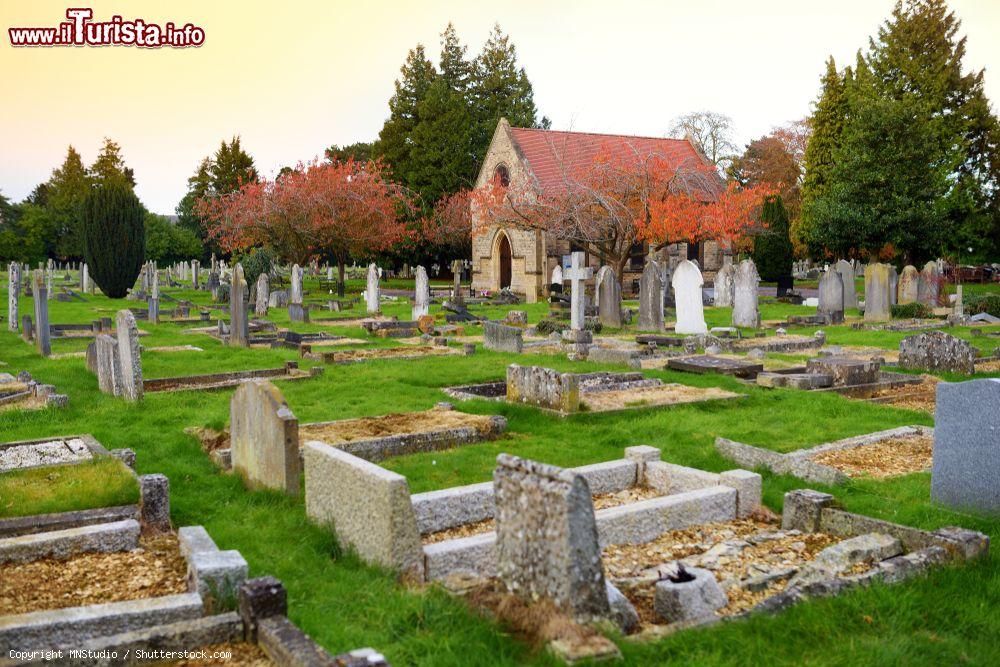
(231, 167)
(67, 190)
(772, 249)
(394, 141)
(827, 125)
(110, 164)
(455, 69)
(198, 185)
(114, 237)
(442, 161)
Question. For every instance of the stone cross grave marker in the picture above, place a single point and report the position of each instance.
(577, 274)
(421, 295)
(264, 436)
(547, 545)
(650, 300)
(372, 292)
(687, 282)
(745, 284)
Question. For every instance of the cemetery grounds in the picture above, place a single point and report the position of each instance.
(948, 617)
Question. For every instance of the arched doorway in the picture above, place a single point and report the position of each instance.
(503, 256)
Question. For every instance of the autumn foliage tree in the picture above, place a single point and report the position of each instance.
(337, 210)
(624, 196)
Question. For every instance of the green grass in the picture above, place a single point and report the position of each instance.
(948, 618)
(102, 482)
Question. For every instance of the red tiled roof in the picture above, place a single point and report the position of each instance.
(548, 152)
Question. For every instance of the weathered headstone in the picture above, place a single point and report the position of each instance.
(129, 356)
(650, 299)
(846, 271)
(40, 294)
(264, 437)
(456, 275)
(577, 274)
(966, 461)
(609, 298)
(502, 338)
(85, 279)
(263, 295)
(687, 283)
(108, 367)
(547, 545)
(421, 295)
(893, 285)
(239, 322)
(937, 351)
(745, 283)
(930, 285)
(296, 311)
(831, 296)
(13, 292)
(877, 307)
(724, 286)
(909, 284)
(372, 292)
(195, 270)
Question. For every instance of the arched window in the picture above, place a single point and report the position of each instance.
(501, 175)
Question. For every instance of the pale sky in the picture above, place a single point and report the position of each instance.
(295, 76)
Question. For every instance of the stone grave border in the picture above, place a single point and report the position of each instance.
(290, 371)
(37, 390)
(372, 510)
(417, 353)
(95, 447)
(800, 464)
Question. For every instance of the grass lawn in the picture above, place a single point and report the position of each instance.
(948, 618)
(103, 482)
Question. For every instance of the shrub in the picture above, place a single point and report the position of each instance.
(256, 262)
(910, 311)
(114, 237)
(983, 303)
(772, 250)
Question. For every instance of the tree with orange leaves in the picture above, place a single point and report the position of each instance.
(624, 197)
(338, 210)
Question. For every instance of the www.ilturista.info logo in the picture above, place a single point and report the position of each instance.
(80, 30)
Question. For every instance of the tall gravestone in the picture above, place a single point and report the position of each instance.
(893, 285)
(877, 306)
(239, 323)
(650, 299)
(13, 292)
(421, 295)
(264, 436)
(85, 279)
(195, 271)
(296, 311)
(372, 292)
(746, 280)
(154, 296)
(965, 472)
(40, 299)
(609, 298)
(831, 296)
(930, 285)
(846, 271)
(129, 356)
(546, 537)
(108, 367)
(263, 293)
(724, 286)
(577, 274)
(456, 276)
(687, 283)
(908, 287)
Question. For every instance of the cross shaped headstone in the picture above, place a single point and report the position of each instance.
(576, 274)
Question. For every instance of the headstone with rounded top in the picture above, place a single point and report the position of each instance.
(421, 295)
(609, 298)
(650, 299)
(724, 286)
(687, 283)
(909, 283)
(877, 305)
(372, 292)
(745, 284)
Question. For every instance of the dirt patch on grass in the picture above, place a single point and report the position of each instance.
(367, 428)
(241, 654)
(922, 397)
(667, 394)
(156, 568)
(886, 458)
(368, 354)
(992, 366)
(209, 438)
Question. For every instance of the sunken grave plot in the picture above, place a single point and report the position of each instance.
(568, 393)
(896, 451)
(649, 545)
(350, 356)
(23, 392)
(265, 442)
(120, 578)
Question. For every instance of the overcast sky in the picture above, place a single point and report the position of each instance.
(293, 77)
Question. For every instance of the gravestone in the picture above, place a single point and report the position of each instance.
(154, 295)
(724, 286)
(421, 296)
(372, 293)
(930, 285)
(893, 284)
(107, 366)
(557, 276)
(456, 289)
(129, 356)
(937, 351)
(502, 338)
(239, 322)
(831, 296)
(846, 271)
(745, 284)
(263, 295)
(965, 473)
(577, 274)
(687, 283)
(86, 285)
(13, 292)
(546, 537)
(877, 307)
(195, 273)
(40, 294)
(909, 284)
(650, 299)
(609, 298)
(264, 437)
(296, 311)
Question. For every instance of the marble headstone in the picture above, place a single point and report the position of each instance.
(687, 283)
(421, 296)
(745, 284)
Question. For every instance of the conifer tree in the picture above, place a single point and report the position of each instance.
(109, 163)
(394, 141)
(67, 189)
(772, 249)
(231, 168)
(114, 236)
(442, 161)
